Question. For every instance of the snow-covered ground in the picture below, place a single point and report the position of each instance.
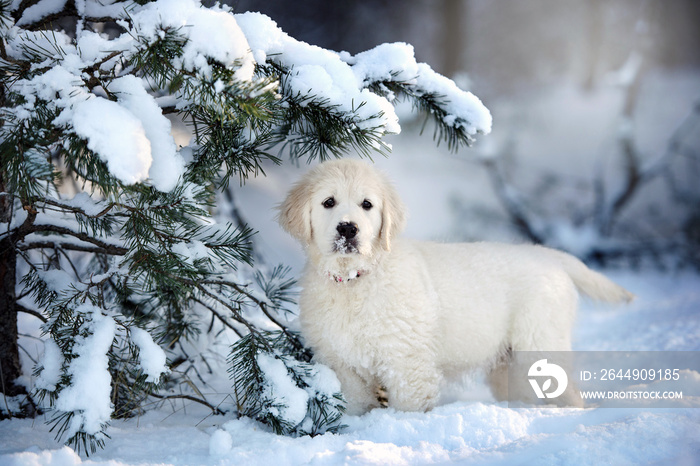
(469, 427)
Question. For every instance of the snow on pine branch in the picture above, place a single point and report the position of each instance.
(88, 395)
(343, 81)
(138, 242)
(290, 395)
(212, 33)
(151, 356)
(130, 135)
(314, 71)
(122, 123)
(396, 63)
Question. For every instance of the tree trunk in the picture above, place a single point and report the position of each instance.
(10, 368)
(453, 36)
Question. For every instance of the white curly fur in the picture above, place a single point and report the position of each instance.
(403, 314)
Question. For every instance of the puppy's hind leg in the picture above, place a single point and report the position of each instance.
(497, 377)
(543, 326)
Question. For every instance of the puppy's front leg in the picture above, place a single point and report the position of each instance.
(359, 393)
(412, 385)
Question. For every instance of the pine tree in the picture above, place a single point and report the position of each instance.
(109, 232)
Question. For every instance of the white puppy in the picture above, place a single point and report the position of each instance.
(402, 315)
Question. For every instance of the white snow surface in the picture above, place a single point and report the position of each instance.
(468, 427)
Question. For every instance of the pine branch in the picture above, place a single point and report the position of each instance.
(214, 409)
(448, 128)
(21, 232)
(69, 11)
(263, 306)
(111, 250)
(221, 318)
(75, 210)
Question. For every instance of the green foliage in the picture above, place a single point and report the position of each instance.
(255, 389)
(432, 106)
(314, 128)
(85, 241)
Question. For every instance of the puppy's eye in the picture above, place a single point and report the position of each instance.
(366, 204)
(329, 203)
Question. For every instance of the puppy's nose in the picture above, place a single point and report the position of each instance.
(347, 230)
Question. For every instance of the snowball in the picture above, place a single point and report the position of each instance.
(116, 136)
(167, 165)
(220, 443)
(281, 390)
(151, 356)
(52, 362)
(89, 394)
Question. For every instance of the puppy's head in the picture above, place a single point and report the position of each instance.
(343, 208)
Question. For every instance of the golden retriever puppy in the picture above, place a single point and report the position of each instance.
(388, 312)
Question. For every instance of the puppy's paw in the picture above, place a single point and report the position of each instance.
(382, 396)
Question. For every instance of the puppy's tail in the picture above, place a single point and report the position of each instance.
(591, 283)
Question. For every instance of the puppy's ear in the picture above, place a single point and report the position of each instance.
(393, 216)
(295, 212)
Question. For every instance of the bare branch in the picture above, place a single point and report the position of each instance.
(214, 409)
(36, 314)
(76, 210)
(23, 231)
(514, 208)
(219, 316)
(632, 183)
(113, 250)
(261, 304)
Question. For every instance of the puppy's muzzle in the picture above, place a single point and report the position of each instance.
(346, 241)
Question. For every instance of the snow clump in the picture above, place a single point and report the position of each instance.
(151, 356)
(89, 394)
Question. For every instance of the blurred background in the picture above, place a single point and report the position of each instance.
(596, 138)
